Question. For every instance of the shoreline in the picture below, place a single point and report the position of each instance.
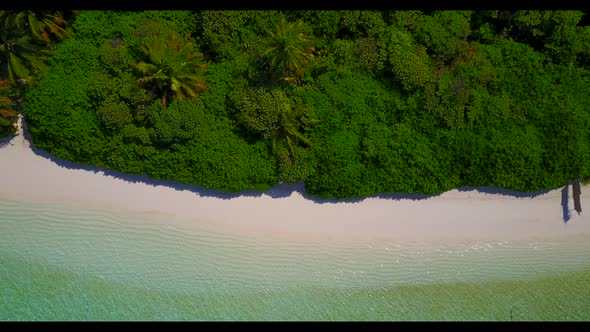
(284, 213)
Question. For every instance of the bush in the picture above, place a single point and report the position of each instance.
(114, 115)
(401, 102)
(408, 62)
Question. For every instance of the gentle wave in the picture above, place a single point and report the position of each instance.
(37, 292)
(158, 254)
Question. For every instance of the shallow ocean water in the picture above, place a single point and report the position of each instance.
(64, 263)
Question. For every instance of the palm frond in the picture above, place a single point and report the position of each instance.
(17, 68)
(290, 145)
(35, 27)
(57, 30)
(4, 84)
(301, 137)
(5, 101)
(57, 18)
(289, 49)
(19, 20)
(7, 113)
(144, 67)
(174, 66)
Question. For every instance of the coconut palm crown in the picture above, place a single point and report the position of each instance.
(288, 49)
(40, 25)
(20, 56)
(8, 115)
(171, 68)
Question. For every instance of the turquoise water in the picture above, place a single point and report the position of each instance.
(60, 263)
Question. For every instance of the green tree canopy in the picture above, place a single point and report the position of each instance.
(172, 67)
(40, 25)
(269, 113)
(21, 57)
(288, 49)
(8, 115)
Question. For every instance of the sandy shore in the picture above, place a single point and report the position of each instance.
(463, 216)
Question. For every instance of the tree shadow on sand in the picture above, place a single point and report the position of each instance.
(281, 190)
(565, 204)
(505, 192)
(6, 141)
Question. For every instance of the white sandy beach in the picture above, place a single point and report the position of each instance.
(462, 216)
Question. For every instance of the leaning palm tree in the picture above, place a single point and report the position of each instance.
(38, 24)
(20, 57)
(288, 49)
(8, 115)
(171, 68)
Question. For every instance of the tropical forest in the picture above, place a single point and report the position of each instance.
(350, 103)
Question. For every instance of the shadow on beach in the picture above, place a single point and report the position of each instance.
(565, 204)
(6, 141)
(505, 192)
(281, 190)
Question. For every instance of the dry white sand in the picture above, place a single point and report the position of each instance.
(462, 216)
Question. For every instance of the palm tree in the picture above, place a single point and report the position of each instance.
(288, 49)
(171, 68)
(290, 124)
(38, 24)
(20, 57)
(8, 115)
(270, 114)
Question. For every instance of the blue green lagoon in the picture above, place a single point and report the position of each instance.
(64, 263)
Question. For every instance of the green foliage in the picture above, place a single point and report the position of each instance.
(442, 31)
(172, 66)
(180, 21)
(295, 165)
(367, 54)
(138, 135)
(261, 111)
(39, 25)
(343, 53)
(214, 157)
(58, 112)
(371, 54)
(325, 23)
(558, 34)
(118, 102)
(350, 108)
(8, 115)
(363, 23)
(409, 63)
(448, 101)
(406, 19)
(95, 26)
(115, 55)
(514, 155)
(21, 56)
(114, 115)
(178, 123)
(288, 49)
(400, 101)
(270, 114)
(223, 33)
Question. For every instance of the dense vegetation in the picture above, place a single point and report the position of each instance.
(8, 114)
(25, 42)
(350, 102)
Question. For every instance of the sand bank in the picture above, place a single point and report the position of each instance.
(458, 215)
